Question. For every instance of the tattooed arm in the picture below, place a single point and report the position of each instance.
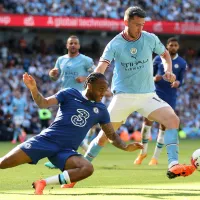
(115, 140)
(38, 98)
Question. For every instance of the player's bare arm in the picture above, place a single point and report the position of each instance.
(54, 74)
(42, 102)
(167, 63)
(116, 141)
(101, 67)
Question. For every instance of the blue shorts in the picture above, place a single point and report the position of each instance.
(38, 147)
(168, 99)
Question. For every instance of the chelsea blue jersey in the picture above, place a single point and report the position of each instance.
(163, 88)
(75, 116)
(133, 71)
(72, 67)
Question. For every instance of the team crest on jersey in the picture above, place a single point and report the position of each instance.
(27, 145)
(96, 110)
(69, 64)
(176, 66)
(133, 50)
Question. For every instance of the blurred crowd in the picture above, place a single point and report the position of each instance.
(171, 10)
(37, 58)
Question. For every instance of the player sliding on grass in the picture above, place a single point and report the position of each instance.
(77, 113)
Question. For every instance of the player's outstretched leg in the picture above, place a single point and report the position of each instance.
(93, 150)
(175, 169)
(158, 148)
(76, 168)
(146, 133)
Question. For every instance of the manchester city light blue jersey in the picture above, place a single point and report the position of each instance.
(19, 106)
(71, 68)
(163, 88)
(75, 116)
(133, 72)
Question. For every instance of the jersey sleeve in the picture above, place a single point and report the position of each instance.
(182, 73)
(62, 96)
(156, 62)
(108, 54)
(159, 48)
(105, 117)
(89, 64)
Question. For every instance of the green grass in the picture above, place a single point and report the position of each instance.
(115, 177)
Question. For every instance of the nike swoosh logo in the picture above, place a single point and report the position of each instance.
(77, 100)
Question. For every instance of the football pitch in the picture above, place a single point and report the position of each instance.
(115, 177)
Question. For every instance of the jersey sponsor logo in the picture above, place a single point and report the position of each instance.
(133, 50)
(96, 110)
(27, 145)
(81, 118)
(77, 100)
(134, 65)
(176, 66)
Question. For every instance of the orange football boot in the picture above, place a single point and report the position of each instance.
(180, 170)
(139, 159)
(39, 186)
(70, 185)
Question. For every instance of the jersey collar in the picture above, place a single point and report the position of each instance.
(176, 56)
(124, 36)
(67, 56)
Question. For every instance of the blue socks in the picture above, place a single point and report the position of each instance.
(171, 142)
(93, 150)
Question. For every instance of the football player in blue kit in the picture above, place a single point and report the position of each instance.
(77, 113)
(167, 92)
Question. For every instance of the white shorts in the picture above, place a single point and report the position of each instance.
(122, 105)
(18, 120)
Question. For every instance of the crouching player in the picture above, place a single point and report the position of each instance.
(77, 113)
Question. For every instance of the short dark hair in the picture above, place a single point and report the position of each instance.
(93, 77)
(134, 11)
(172, 39)
(72, 37)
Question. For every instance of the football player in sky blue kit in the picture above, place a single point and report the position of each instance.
(167, 92)
(72, 70)
(77, 113)
(19, 107)
(133, 86)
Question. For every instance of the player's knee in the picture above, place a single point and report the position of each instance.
(88, 170)
(173, 122)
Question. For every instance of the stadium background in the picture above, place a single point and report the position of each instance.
(33, 35)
